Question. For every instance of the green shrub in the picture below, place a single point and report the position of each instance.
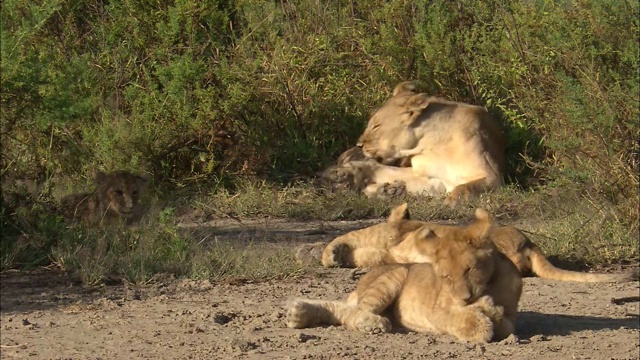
(201, 92)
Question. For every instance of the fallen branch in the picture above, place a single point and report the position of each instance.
(624, 300)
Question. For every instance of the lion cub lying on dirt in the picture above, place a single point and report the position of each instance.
(116, 199)
(388, 243)
(468, 290)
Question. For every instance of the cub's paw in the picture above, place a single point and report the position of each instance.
(396, 188)
(339, 256)
(300, 314)
(370, 323)
(487, 306)
(476, 327)
(357, 273)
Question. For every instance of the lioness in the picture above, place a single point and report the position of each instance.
(116, 199)
(456, 148)
(468, 290)
(388, 243)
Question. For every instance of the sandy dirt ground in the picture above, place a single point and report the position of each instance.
(47, 314)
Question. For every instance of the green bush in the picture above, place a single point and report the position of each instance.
(198, 91)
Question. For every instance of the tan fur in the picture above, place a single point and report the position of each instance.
(388, 243)
(115, 200)
(456, 147)
(469, 290)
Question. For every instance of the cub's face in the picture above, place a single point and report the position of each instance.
(466, 271)
(462, 257)
(122, 191)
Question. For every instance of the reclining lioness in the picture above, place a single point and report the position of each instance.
(452, 147)
(388, 243)
(468, 290)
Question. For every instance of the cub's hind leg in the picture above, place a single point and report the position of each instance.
(306, 313)
(303, 313)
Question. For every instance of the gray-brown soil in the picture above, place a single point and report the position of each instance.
(48, 315)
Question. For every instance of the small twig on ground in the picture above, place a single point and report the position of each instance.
(624, 300)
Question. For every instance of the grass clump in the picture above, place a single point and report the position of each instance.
(153, 248)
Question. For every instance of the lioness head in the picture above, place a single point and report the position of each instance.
(120, 191)
(389, 129)
(463, 257)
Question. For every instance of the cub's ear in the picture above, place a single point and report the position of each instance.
(425, 233)
(482, 215)
(142, 181)
(479, 229)
(400, 212)
(99, 177)
(404, 87)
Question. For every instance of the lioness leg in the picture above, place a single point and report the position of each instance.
(466, 191)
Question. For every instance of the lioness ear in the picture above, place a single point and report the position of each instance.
(414, 106)
(404, 87)
(400, 212)
(417, 102)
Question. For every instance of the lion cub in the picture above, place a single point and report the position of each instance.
(115, 200)
(469, 290)
(386, 243)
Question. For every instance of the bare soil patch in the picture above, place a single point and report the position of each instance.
(47, 314)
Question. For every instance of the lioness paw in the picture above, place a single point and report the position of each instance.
(396, 188)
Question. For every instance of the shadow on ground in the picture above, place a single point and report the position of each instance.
(26, 291)
(532, 323)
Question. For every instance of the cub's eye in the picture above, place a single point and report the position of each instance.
(135, 193)
(119, 192)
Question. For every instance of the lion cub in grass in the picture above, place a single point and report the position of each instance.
(468, 290)
(386, 243)
(115, 200)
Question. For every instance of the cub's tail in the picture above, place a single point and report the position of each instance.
(541, 266)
